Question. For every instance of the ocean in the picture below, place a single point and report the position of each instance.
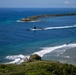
(57, 42)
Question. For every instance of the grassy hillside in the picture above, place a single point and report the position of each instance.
(38, 68)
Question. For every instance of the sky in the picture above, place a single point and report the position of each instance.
(37, 3)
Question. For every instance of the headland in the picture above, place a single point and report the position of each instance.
(36, 18)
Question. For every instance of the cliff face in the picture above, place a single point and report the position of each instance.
(34, 18)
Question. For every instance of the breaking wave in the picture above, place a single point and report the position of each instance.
(20, 58)
(17, 59)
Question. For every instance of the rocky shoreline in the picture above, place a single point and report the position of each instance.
(35, 18)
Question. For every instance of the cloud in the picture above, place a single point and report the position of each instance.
(66, 2)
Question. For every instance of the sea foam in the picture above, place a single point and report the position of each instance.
(60, 27)
(17, 59)
(45, 50)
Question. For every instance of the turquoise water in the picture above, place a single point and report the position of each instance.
(16, 42)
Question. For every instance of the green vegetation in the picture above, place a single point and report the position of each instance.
(34, 57)
(38, 67)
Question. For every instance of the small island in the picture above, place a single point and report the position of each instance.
(35, 18)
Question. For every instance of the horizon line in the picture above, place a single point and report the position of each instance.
(37, 7)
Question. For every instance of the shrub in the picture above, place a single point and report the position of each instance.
(34, 57)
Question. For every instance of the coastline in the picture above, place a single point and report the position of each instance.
(62, 49)
(35, 18)
(20, 33)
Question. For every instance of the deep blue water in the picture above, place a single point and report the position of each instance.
(15, 39)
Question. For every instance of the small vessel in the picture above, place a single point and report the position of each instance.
(34, 29)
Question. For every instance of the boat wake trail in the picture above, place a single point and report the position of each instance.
(60, 27)
(52, 28)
